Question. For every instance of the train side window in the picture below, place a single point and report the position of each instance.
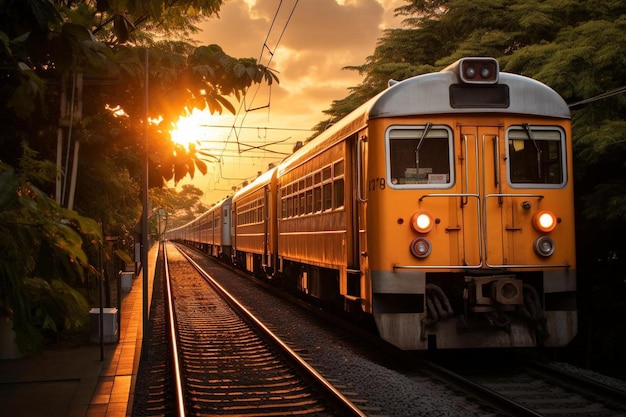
(328, 195)
(326, 173)
(302, 203)
(284, 208)
(338, 188)
(338, 168)
(420, 157)
(309, 201)
(536, 156)
(317, 199)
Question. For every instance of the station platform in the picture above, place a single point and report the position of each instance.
(77, 382)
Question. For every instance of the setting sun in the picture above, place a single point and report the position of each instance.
(194, 128)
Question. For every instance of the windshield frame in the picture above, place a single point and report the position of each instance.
(433, 130)
(538, 135)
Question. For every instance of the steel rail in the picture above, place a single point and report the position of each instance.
(348, 406)
(581, 384)
(180, 399)
(483, 393)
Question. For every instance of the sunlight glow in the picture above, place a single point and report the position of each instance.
(194, 128)
(156, 121)
(117, 111)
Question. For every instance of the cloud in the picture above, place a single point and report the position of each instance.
(313, 41)
(308, 48)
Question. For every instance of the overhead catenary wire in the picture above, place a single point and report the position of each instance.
(601, 96)
(259, 128)
(243, 107)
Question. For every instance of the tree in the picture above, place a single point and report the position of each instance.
(181, 206)
(74, 73)
(42, 255)
(104, 43)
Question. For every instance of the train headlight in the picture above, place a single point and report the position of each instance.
(479, 70)
(422, 222)
(421, 247)
(544, 221)
(544, 246)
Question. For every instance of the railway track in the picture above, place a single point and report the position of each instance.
(231, 364)
(387, 383)
(533, 389)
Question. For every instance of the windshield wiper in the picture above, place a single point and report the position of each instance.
(420, 143)
(529, 132)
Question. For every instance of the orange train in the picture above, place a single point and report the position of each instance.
(442, 207)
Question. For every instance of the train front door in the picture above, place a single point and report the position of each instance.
(482, 175)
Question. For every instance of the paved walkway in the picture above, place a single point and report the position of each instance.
(75, 382)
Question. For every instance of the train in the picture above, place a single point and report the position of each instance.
(442, 208)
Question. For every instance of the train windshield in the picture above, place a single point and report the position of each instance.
(419, 156)
(536, 156)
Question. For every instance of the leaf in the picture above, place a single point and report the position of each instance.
(122, 27)
(201, 166)
(239, 70)
(227, 104)
(76, 32)
(45, 13)
(123, 255)
(22, 101)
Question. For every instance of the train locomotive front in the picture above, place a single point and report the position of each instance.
(465, 191)
(442, 207)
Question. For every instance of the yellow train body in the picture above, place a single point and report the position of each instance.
(443, 208)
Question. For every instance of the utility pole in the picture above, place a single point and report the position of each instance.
(144, 221)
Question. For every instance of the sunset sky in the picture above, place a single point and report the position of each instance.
(308, 44)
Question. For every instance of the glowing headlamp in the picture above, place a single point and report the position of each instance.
(544, 221)
(422, 222)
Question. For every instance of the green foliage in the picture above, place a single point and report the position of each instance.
(181, 206)
(56, 307)
(39, 238)
(575, 47)
(44, 46)
(106, 41)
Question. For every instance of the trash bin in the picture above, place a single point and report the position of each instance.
(111, 332)
(126, 278)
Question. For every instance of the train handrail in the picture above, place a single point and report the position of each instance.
(538, 196)
(478, 222)
(448, 195)
(359, 170)
(504, 266)
(514, 195)
(501, 196)
(482, 224)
